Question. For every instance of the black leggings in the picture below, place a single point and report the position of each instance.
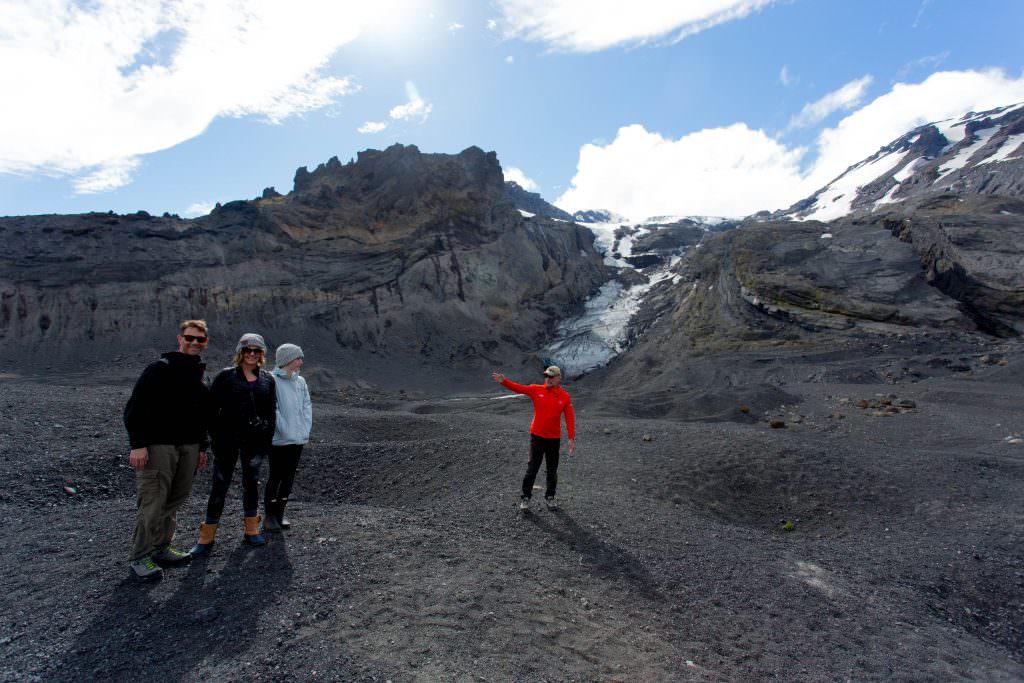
(225, 456)
(284, 460)
(541, 449)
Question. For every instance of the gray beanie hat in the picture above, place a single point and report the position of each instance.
(286, 353)
(250, 340)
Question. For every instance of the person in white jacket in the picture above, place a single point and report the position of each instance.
(294, 422)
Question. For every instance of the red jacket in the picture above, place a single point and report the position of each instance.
(548, 406)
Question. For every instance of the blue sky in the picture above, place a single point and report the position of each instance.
(719, 107)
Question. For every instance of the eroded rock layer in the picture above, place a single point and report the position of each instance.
(419, 258)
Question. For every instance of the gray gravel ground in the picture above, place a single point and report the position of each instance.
(845, 546)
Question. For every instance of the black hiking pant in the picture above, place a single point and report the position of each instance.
(542, 449)
(284, 460)
(225, 457)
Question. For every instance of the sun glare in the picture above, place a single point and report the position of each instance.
(398, 25)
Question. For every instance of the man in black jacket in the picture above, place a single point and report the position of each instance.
(167, 420)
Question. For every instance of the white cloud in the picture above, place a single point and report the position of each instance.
(372, 127)
(455, 26)
(110, 175)
(510, 59)
(198, 209)
(517, 176)
(719, 171)
(99, 84)
(846, 97)
(734, 170)
(415, 108)
(492, 24)
(592, 25)
(785, 77)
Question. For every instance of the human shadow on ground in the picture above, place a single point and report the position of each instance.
(603, 559)
(212, 615)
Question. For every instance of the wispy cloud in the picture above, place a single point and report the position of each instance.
(785, 77)
(736, 170)
(415, 108)
(455, 26)
(124, 79)
(517, 176)
(582, 26)
(847, 97)
(920, 12)
(108, 176)
(492, 24)
(198, 209)
(371, 127)
(510, 59)
(927, 62)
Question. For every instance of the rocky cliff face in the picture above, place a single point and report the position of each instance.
(396, 263)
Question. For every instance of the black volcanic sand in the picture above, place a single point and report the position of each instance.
(845, 546)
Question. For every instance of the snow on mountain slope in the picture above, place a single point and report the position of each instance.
(977, 153)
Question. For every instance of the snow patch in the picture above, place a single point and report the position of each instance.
(908, 170)
(962, 157)
(837, 199)
(527, 213)
(1010, 145)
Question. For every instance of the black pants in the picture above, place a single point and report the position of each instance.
(225, 457)
(541, 449)
(284, 460)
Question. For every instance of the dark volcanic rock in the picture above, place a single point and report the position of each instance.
(419, 258)
(533, 202)
(972, 250)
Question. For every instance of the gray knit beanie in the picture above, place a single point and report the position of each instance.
(286, 353)
(251, 340)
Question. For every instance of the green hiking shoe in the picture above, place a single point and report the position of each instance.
(145, 569)
(169, 556)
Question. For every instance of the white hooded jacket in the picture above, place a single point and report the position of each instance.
(294, 409)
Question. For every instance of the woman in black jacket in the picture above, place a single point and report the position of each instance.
(242, 426)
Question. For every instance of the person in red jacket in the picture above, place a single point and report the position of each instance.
(550, 400)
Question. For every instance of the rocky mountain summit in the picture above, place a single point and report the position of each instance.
(977, 153)
(533, 203)
(396, 261)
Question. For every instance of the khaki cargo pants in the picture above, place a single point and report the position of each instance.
(163, 485)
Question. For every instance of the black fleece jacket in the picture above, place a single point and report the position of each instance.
(235, 404)
(170, 403)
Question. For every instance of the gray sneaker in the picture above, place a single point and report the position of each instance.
(551, 503)
(146, 569)
(169, 556)
(524, 503)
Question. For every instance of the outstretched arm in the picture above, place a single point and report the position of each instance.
(509, 384)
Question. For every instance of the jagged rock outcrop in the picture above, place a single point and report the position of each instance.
(396, 263)
(532, 202)
(597, 216)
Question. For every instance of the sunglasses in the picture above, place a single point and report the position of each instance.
(258, 352)
(194, 338)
